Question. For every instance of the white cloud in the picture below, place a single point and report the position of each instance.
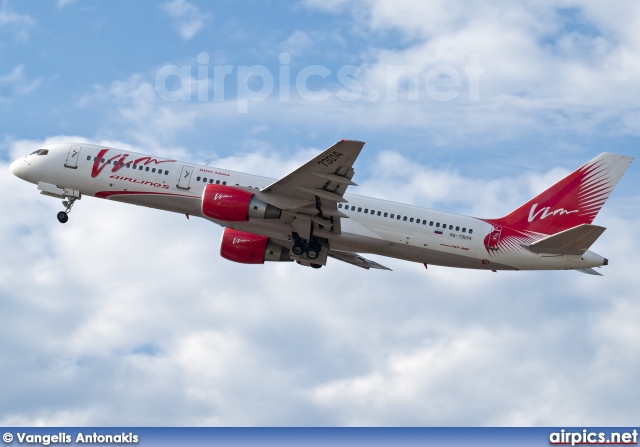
(297, 42)
(62, 3)
(571, 63)
(15, 83)
(127, 315)
(187, 17)
(16, 23)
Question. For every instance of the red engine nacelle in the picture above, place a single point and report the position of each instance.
(246, 248)
(249, 248)
(231, 204)
(222, 202)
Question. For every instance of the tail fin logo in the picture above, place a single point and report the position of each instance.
(544, 212)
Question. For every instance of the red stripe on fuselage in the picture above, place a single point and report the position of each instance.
(107, 194)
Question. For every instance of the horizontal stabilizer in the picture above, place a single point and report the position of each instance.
(590, 272)
(574, 241)
(357, 260)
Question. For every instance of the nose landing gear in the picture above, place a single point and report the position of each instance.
(63, 216)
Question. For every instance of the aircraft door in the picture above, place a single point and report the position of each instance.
(185, 177)
(493, 239)
(72, 157)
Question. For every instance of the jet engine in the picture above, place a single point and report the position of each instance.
(249, 248)
(231, 204)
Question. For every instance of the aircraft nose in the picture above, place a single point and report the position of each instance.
(16, 167)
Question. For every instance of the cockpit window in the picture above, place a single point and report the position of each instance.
(40, 152)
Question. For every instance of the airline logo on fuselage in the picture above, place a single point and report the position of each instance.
(120, 160)
(545, 212)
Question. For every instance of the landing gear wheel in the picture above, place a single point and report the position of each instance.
(313, 251)
(298, 248)
(62, 217)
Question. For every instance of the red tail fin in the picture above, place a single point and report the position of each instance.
(574, 200)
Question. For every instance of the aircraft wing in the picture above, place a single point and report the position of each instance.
(357, 260)
(320, 184)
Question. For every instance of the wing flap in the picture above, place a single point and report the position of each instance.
(574, 241)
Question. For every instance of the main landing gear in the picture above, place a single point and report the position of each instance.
(312, 249)
(310, 253)
(63, 216)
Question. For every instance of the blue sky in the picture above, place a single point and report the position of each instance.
(159, 330)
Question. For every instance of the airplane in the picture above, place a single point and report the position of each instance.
(307, 217)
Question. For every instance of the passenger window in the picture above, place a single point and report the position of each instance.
(353, 208)
(457, 228)
(430, 223)
(153, 170)
(451, 227)
(399, 216)
(204, 180)
(470, 231)
(339, 205)
(384, 215)
(224, 182)
(410, 220)
(464, 230)
(359, 209)
(128, 165)
(88, 157)
(166, 172)
(142, 167)
(405, 218)
(366, 210)
(198, 178)
(102, 160)
(217, 182)
(438, 225)
(392, 215)
(210, 180)
(379, 213)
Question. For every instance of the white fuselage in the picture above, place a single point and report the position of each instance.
(373, 225)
